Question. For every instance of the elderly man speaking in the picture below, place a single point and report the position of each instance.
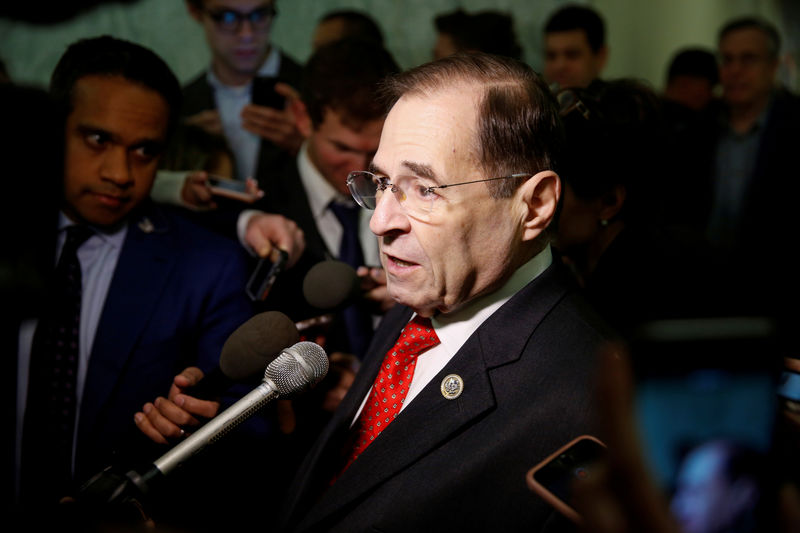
(486, 367)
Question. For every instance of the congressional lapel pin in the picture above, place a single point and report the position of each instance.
(452, 386)
(146, 226)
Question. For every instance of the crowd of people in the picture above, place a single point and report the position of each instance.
(511, 235)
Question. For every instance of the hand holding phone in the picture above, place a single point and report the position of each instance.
(264, 93)
(263, 277)
(233, 189)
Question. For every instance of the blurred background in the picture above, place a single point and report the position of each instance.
(642, 35)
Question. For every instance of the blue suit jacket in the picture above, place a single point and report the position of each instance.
(176, 295)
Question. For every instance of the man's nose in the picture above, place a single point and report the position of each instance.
(246, 29)
(116, 168)
(389, 215)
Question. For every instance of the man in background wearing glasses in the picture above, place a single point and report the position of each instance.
(220, 99)
(492, 370)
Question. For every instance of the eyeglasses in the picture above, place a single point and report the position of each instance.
(230, 20)
(414, 194)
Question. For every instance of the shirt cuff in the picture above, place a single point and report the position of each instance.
(168, 186)
(241, 227)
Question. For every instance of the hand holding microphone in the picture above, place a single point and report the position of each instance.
(192, 396)
(294, 370)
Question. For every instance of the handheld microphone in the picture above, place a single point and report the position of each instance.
(331, 285)
(247, 351)
(295, 370)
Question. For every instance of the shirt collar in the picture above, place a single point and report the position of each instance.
(454, 328)
(320, 193)
(115, 237)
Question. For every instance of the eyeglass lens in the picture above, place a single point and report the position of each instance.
(413, 194)
(231, 20)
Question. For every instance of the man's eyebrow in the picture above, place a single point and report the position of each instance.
(421, 170)
(89, 129)
(375, 169)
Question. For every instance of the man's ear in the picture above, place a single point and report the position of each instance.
(612, 202)
(539, 196)
(301, 117)
(194, 11)
(601, 58)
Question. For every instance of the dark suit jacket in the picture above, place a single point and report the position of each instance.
(461, 464)
(175, 297)
(199, 96)
(768, 218)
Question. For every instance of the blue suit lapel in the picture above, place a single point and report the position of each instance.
(142, 271)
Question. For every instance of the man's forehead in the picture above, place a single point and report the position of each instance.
(115, 101)
(430, 134)
(744, 38)
(576, 38)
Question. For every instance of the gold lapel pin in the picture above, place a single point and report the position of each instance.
(452, 386)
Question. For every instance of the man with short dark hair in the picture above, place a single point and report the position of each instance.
(485, 367)
(340, 116)
(222, 100)
(575, 50)
(138, 294)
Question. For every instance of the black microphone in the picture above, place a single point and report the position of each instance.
(331, 285)
(246, 353)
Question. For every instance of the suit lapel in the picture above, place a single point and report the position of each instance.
(140, 277)
(431, 420)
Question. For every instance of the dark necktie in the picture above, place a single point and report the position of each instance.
(391, 385)
(357, 321)
(50, 408)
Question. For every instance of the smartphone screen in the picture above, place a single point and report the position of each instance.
(263, 93)
(555, 477)
(265, 273)
(227, 184)
(706, 406)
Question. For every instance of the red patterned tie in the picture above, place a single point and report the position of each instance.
(391, 384)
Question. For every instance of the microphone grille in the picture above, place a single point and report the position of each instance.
(298, 368)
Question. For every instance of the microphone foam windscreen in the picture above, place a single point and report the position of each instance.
(255, 343)
(330, 284)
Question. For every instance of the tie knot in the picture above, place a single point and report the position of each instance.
(346, 213)
(418, 336)
(77, 235)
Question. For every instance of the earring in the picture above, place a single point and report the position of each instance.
(604, 222)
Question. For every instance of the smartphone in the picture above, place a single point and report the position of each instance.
(705, 406)
(265, 273)
(229, 188)
(554, 478)
(264, 94)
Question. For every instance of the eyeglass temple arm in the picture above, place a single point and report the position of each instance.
(522, 175)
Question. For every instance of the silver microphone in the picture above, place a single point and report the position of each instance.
(296, 369)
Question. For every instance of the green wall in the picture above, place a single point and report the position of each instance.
(642, 34)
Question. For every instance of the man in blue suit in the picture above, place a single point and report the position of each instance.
(156, 294)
